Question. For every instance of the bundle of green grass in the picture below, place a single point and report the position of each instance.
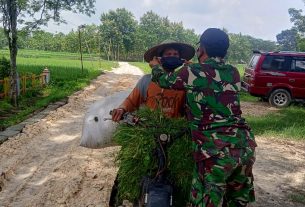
(136, 159)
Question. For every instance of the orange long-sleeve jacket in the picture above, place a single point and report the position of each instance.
(150, 94)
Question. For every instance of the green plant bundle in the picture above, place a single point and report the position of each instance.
(136, 158)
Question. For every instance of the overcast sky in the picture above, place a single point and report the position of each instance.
(258, 18)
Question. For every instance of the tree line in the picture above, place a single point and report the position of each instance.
(293, 39)
(119, 36)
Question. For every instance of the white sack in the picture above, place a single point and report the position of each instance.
(97, 132)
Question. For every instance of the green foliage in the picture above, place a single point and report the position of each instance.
(4, 68)
(3, 39)
(135, 157)
(51, 10)
(301, 44)
(241, 47)
(4, 105)
(297, 19)
(291, 39)
(155, 29)
(181, 167)
(287, 39)
(121, 37)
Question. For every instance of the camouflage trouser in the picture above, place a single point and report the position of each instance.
(224, 180)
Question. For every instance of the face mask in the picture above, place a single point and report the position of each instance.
(171, 63)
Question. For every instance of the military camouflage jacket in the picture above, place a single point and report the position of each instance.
(213, 105)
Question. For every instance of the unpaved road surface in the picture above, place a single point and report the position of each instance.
(45, 166)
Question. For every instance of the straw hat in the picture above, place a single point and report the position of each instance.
(186, 51)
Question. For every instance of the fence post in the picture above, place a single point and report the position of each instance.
(18, 84)
(33, 80)
(41, 80)
(23, 82)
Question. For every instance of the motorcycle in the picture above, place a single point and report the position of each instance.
(156, 190)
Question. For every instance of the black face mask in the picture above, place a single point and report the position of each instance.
(171, 63)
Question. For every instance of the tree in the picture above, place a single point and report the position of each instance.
(262, 45)
(297, 19)
(91, 38)
(118, 30)
(70, 43)
(287, 39)
(240, 48)
(154, 28)
(39, 12)
(110, 34)
(301, 44)
(3, 40)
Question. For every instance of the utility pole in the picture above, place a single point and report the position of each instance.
(80, 45)
(99, 46)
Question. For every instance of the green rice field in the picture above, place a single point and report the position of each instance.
(67, 76)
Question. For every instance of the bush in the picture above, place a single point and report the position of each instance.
(4, 68)
(5, 106)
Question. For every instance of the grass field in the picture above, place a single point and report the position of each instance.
(66, 78)
(288, 123)
(47, 54)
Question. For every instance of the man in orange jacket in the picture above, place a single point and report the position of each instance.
(172, 55)
(171, 102)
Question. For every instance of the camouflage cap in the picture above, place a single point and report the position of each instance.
(215, 41)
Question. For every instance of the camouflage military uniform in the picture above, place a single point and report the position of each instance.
(223, 143)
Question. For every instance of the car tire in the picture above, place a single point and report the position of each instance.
(280, 98)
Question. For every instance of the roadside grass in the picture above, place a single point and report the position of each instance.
(298, 197)
(287, 123)
(66, 78)
(143, 66)
(244, 96)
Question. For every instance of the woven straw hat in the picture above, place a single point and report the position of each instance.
(186, 51)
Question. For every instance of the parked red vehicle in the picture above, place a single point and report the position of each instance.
(276, 76)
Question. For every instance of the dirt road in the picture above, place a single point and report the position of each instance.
(45, 166)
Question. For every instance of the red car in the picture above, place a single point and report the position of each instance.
(276, 76)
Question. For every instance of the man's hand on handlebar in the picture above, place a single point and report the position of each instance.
(117, 114)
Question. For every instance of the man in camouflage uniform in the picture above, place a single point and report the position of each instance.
(224, 146)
